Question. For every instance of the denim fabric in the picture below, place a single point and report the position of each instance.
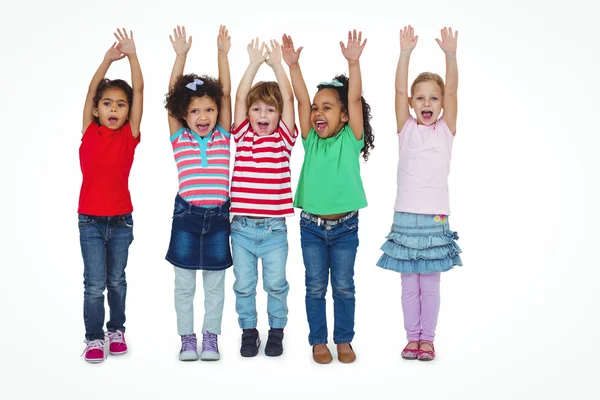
(104, 246)
(213, 283)
(265, 239)
(328, 248)
(199, 237)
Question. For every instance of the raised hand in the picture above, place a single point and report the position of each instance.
(408, 40)
(180, 44)
(274, 53)
(448, 42)
(355, 46)
(114, 53)
(223, 40)
(126, 44)
(257, 55)
(290, 56)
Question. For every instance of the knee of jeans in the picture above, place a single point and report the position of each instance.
(343, 291)
(316, 290)
(244, 287)
(94, 288)
(276, 288)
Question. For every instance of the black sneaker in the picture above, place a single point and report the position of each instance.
(274, 345)
(250, 343)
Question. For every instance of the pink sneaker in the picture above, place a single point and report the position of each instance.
(117, 343)
(410, 354)
(94, 351)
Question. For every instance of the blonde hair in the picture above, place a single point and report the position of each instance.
(424, 77)
(267, 92)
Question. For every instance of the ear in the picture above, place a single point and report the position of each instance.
(410, 102)
(95, 112)
(345, 117)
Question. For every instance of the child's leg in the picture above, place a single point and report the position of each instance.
(274, 259)
(342, 257)
(411, 306)
(214, 298)
(119, 239)
(245, 269)
(315, 253)
(185, 289)
(430, 304)
(93, 250)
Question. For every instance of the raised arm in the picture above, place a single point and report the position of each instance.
(224, 44)
(291, 58)
(113, 54)
(448, 46)
(352, 53)
(408, 41)
(127, 46)
(274, 61)
(181, 46)
(257, 57)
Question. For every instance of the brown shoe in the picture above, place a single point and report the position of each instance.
(345, 353)
(321, 354)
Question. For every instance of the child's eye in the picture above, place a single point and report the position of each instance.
(419, 98)
(434, 98)
(210, 110)
(327, 108)
(271, 110)
(106, 103)
(121, 104)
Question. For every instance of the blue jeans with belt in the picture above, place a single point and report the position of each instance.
(329, 247)
(104, 246)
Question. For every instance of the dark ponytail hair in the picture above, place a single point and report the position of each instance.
(342, 92)
(112, 84)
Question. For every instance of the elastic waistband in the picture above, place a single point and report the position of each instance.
(329, 222)
(254, 222)
(203, 210)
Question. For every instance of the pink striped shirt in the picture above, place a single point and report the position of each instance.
(261, 184)
(203, 166)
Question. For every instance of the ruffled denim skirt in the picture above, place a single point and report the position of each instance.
(420, 244)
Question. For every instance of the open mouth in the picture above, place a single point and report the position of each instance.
(202, 127)
(113, 120)
(427, 114)
(321, 126)
(262, 126)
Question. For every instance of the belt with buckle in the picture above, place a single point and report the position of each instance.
(330, 222)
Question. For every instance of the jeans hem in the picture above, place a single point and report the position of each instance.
(277, 323)
(317, 341)
(342, 340)
(247, 324)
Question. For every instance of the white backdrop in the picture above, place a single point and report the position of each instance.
(518, 321)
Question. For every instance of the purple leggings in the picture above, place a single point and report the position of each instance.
(421, 305)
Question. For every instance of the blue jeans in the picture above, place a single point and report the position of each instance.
(104, 246)
(251, 239)
(329, 246)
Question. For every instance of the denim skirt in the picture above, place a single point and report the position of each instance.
(200, 237)
(420, 244)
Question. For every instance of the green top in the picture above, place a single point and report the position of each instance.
(330, 180)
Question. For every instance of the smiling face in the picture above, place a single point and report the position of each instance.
(427, 102)
(263, 118)
(113, 109)
(327, 115)
(201, 116)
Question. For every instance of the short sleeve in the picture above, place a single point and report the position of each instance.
(289, 138)
(358, 144)
(241, 130)
(126, 130)
(223, 131)
(177, 134)
(409, 125)
(440, 124)
(311, 137)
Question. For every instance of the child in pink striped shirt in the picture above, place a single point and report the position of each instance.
(261, 196)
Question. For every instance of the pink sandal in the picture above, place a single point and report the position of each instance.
(426, 355)
(410, 354)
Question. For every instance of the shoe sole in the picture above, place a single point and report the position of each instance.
(273, 354)
(118, 353)
(210, 356)
(188, 357)
(95, 361)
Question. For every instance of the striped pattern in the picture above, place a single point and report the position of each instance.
(203, 166)
(261, 184)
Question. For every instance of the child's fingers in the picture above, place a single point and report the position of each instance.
(359, 37)
(183, 31)
(342, 46)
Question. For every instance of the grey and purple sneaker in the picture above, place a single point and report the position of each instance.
(210, 347)
(189, 348)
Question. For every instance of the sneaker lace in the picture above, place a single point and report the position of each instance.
(93, 345)
(115, 337)
(209, 341)
(188, 342)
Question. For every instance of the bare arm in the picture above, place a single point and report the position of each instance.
(181, 47)
(127, 46)
(408, 41)
(257, 57)
(274, 61)
(291, 58)
(352, 53)
(448, 46)
(224, 44)
(113, 54)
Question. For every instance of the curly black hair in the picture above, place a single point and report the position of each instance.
(342, 92)
(179, 97)
(115, 84)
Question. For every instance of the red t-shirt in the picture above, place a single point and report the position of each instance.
(106, 156)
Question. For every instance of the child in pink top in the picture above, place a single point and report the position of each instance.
(421, 245)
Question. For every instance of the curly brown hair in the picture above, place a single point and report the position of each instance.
(342, 92)
(179, 97)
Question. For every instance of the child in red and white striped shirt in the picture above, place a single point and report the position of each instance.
(261, 196)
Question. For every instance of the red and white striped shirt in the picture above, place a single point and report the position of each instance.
(261, 184)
